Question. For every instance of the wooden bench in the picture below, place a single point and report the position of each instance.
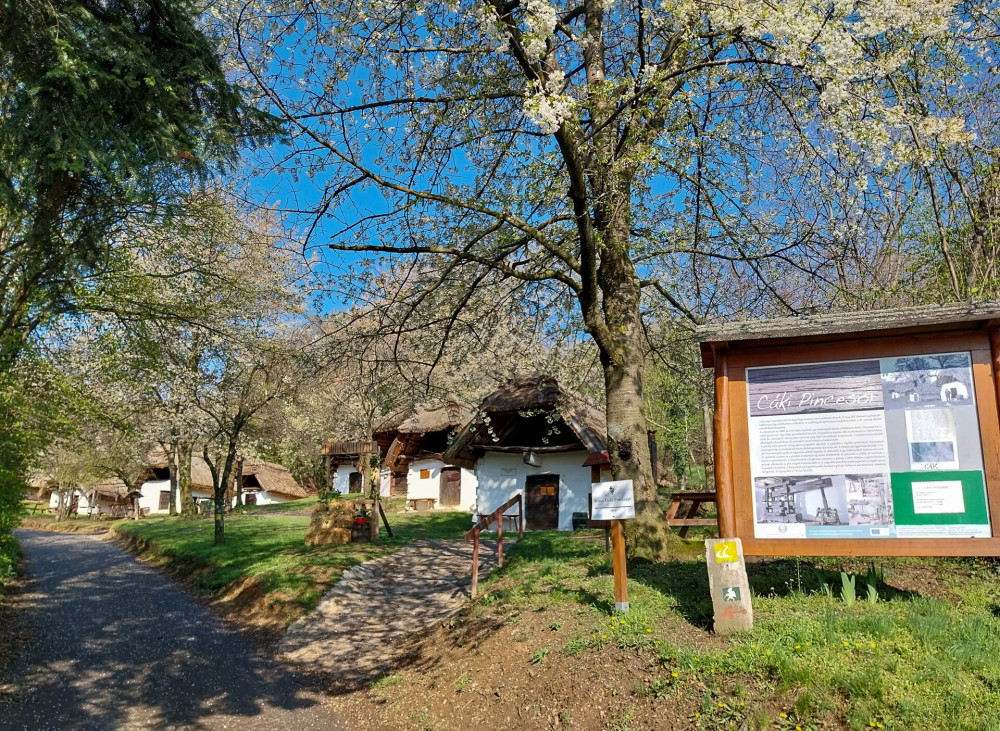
(696, 499)
(421, 503)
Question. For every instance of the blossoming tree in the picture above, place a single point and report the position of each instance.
(711, 155)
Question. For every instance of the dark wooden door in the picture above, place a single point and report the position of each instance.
(541, 502)
(399, 483)
(451, 486)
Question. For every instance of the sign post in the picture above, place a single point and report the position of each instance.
(727, 581)
(615, 501)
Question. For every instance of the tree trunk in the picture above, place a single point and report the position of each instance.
(220, 516)
(173, 469)
(622, 358)
(239, 482)
(184, 451)
(61, 504)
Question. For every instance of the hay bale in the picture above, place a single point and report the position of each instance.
(328, 537)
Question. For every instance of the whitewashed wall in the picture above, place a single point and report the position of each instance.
(151, 495)
(266, 498)
(469, 486)
(430, 486)
(342, 476)
(501, 476)
(82, 507)
(424, 487)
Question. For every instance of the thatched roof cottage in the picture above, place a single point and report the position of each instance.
(534, 437)
(263, 483)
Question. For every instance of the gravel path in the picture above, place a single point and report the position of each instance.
(117, 646)
(359, 630)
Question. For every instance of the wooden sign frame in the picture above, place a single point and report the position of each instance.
(735, 494)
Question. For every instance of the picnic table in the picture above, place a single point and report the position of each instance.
(696, 499)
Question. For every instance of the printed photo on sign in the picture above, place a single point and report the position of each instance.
(927, 381)
(805, 500)
(932, 438)
(869, 499)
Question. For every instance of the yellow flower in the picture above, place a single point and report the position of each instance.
(782, 715)
(604, 637)
(857, 644)
(798, 728)
(798, 647)
(674, 674)
(721, 705)
(648, 630)
(697, 715)
(846, 643)
(873, 644)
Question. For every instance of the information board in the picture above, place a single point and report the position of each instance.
(873, 448)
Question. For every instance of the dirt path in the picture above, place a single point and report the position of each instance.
(361, 627)
(117, 646)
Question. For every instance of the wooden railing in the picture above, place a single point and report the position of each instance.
(483, 524)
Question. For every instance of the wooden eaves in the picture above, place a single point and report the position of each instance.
(833, 326)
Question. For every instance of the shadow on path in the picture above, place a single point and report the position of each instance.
(119, 646)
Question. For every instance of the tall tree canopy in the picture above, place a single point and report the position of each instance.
(715, 155)
(102, 103)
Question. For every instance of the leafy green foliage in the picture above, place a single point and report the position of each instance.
(103, 105)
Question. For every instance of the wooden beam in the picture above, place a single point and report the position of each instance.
(724, 488)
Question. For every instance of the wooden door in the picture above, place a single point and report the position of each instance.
(451, 486)
(541, 502)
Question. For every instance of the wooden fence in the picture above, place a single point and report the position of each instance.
(484, 523)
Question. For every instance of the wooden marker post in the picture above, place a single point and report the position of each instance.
(618, 565)
(615, 502)
(728, 584)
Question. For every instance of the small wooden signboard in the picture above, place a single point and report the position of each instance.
(614, 501)
(871, 434)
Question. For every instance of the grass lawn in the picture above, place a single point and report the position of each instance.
(264, 561)
(922, 654)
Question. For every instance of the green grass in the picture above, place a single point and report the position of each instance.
(270, 548)
(906, 661)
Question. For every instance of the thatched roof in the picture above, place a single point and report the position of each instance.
(390, 424)
(110, 487)
(271, 477)
(201, 475)
(830, 325)
(431, 417)
(518, 416)
(274, 478)
(426, 431)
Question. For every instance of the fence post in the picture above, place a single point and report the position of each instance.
(475, 562)
(520, 517)
(500, 540)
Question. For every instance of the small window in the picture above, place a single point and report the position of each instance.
(250, 498)
(425, 474)
(164, 500)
